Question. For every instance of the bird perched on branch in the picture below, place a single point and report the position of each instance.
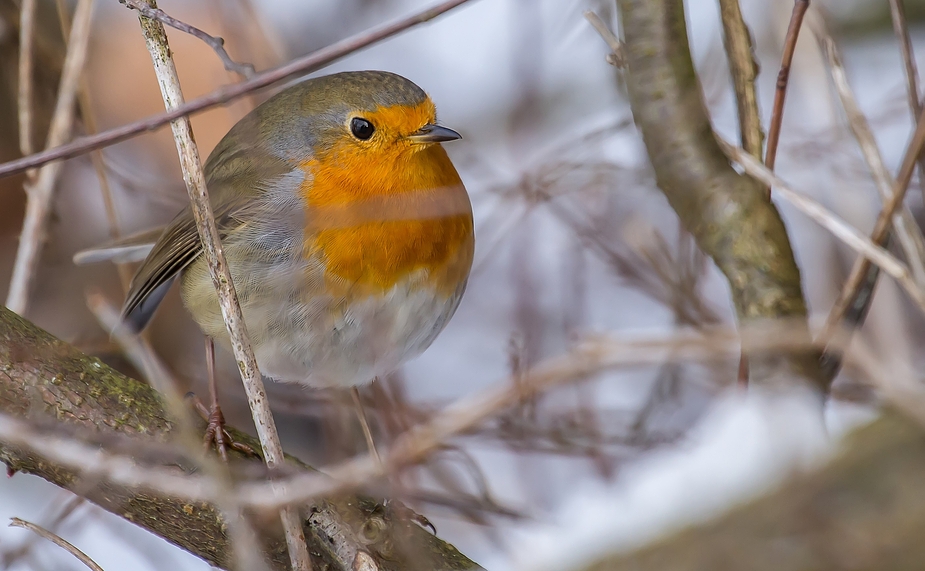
(346, 227)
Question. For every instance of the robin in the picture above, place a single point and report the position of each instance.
(346, 227)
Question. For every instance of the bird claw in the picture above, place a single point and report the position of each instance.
(215, 433)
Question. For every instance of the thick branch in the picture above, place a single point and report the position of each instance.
(727, 213)
(42, 378)
(865, 510)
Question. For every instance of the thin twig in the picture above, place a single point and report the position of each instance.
(585, 359)
(907, 231)
(901, 29)
(156, 41)
(306, 64)
(217, 44)
(24, 97)
(848, 234)
(744, 69)
(57, 540)
(616, 57)
(96, 157)
(783, 77)
(40, 194)
(898, 15)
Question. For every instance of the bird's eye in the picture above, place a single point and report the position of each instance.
(361, 128)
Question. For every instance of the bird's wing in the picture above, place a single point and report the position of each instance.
(236, 171)
(176, 248)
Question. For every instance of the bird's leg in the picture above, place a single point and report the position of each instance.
(215, 430)
(361, 415)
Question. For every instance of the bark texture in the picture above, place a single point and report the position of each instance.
(47, 381)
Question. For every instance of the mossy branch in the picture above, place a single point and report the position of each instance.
(727, 213)
(44, 379)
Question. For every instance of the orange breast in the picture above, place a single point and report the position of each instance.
(374, 219)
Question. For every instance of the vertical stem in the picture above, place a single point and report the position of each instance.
(156, 41)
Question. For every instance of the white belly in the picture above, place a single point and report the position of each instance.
(305, 337)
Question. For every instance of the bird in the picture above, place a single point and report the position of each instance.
(347, 230)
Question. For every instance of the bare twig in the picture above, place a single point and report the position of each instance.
(96, 157)
(24, 97)
(586, 359)
(783, 76)
(57, 540)
(616, 57)
(901, 29)
(839, 228)
(41, 192)
(217, 44)
(908, 232)
(898, 16)
(744, 70)
(306, 64)
(156, 41)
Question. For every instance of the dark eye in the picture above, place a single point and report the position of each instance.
(361, 128)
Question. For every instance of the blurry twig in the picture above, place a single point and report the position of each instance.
(57, 540)
(96, 157)
(41, 192)
(616, 57)
(11, 557)
(744, 70)
(901, 29)
(303, 65)
(783, 76)
(24, 96)
(848, 234)
(217, 44)
(156, 41)
(907, 231)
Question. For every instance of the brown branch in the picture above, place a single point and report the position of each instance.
(43, 379)
(727, 213)
(744, 70)
(854, 300)
(303, 65)
(901, 29)
(864, 510)
(783, 77)
(217, 44)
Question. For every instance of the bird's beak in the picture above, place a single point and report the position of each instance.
(433, 134)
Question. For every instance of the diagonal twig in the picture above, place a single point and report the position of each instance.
(57, 540)
(901, 29)
(907, 231)
(871, 251)
(306, 64)
(217, 44)
(616, 57)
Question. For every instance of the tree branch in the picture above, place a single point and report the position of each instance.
(727, 213)
(303, 65)
(42, 379)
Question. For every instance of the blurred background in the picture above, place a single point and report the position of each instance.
(573, 238)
